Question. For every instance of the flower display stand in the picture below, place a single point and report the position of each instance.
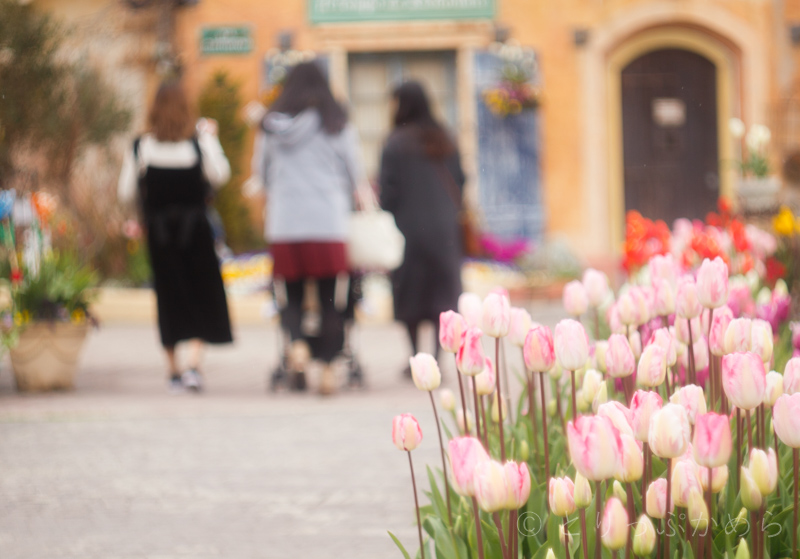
(46, 356)
(758, 194)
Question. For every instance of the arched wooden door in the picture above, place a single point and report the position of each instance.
(669, 131)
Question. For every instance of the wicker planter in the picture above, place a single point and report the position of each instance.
(46, 356)
(758, 194)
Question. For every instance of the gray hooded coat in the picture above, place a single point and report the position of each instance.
(310, 176)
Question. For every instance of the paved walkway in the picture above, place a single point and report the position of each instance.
(119, 469)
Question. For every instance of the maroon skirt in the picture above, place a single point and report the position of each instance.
(296, 261)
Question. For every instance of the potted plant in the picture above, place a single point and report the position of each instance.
(757, 189)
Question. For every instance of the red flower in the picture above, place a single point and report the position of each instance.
(16, 276)
(775, 270)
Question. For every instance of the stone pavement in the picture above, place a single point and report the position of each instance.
(119, 469)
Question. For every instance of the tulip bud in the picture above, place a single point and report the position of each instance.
(687, 305)
(620, 361)
(626, 309)
(425, 372)
(750, 493)
(451, 329)
(614, 525)
(635, 340)
(447, 400)
(698, 511)
(464, 428)
(601, 397)
(576, 300)
(524, 451)
(551, 555)
(742, 552)
(692, 399)
(652, 369)
(791, 376)
(496, 317)
(684, 480)
(772, 471)
(632, 461)
(719, 326)
(712, 443)
(406, 433)
(642, 297)
(552, 407)
(664, 267)
(496, 409)
(600, 352)
(761, 339)
(737, 336)
(744, 379)
(764, 470)
(656, 499)
(644, 537)
(712, 283)
(596, 285)
(669, 431)
(774, 388)
(571, 345)
(582, 492)
(519, 484)
(561, 496)
(719, 477)
(591, 384)
(664, 298)
(662, 337)
(465, 454)
(519, 325)
(485, 382)
(619, 491)
(470, 358)
(538, 350)
(643, 405)
(470, 307)
(595, 447)
(491, 486)
(563, 537)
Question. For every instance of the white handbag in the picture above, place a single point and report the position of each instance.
(374, 241)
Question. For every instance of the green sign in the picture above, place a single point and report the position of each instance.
(226, 40)
(337, 11)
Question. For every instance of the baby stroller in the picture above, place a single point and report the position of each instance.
(282, 377)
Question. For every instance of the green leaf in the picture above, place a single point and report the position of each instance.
(399, 545)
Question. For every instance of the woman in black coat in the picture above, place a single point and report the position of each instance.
(421, 184)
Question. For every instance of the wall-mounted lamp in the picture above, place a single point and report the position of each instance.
(580, 36)
(794, 33)
(501, 33)
(285, 39)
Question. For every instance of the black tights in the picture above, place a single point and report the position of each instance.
(413, 334)
(331, 331)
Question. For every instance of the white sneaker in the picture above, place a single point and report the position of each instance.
(192, 380)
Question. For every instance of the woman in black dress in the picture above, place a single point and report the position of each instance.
(172, 168)
(421, 184)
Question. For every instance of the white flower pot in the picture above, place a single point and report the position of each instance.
(46, 356)
(758, 194)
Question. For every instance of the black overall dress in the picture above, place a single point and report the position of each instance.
(186, 274)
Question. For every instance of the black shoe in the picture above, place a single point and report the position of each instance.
(175, 384)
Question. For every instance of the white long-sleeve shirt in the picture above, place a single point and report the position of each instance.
(172, 155)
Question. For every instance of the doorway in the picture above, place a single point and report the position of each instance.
(670, 135)
(372, 78)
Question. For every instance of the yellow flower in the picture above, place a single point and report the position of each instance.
(18, 319)
(784, 223)
(77, 316)
(132, 246)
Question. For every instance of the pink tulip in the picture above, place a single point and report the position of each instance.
(595, 447)
(744, 379)
(519, 326)
(664, 267)
(406, 433)
(470, 358)
(465, 454)
(496, 317)
(484, 382)
(613, 319)
(576, 300)
(719, 326)
(687, 305)
(774, 388)
(425, 372)
(451, 329)
(615, 525)
(664, 338)
(656, 499)
(761, 339)
(712, 444)
(491, 486)
(643, 405)
(470, 307)
(786, 419)
(619, 415)
(519, 484)
(561, 496)
(652, 369)
(791, 376)
(701, 354)
(693, 400)
(447, 400)
(712, 283)
(620, 361)
(643, 299)
(684, 481)
(538, 350)
(635, 340)
(632, 461)
(571, 345)
(737, 336)
(719, 478)
(626, 309)
(596, 285)
(669, 431)
(663, 297)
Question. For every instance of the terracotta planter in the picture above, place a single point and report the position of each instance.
(758, 194)
(46, 356)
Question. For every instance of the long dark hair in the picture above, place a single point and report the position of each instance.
(413, 108)
(305, 88)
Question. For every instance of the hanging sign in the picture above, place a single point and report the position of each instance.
(226, 40)
(333, 11)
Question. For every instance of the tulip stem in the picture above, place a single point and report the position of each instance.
(444, 463)
(500, 535)
(416, 505)
(738, 450)
(631, 516)
(598, 517)
(499, 399)
(710, 504)
(667, 510)
(777, 456)
(478, 532)
(566, 536)
(761, 426)
(646, 470)
(463, 400)
(795, 460)
(505, 380)
(482, 400)
(596, 323)
(512, 534)
(557, 393)
(477, 414)
(749, 432)
(711, 381)
(532, 414)
(544, 430)
(674, 379)
(574, 400)
(584, 536)
(691, 373)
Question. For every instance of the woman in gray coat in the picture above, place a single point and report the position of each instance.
(421, 184)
